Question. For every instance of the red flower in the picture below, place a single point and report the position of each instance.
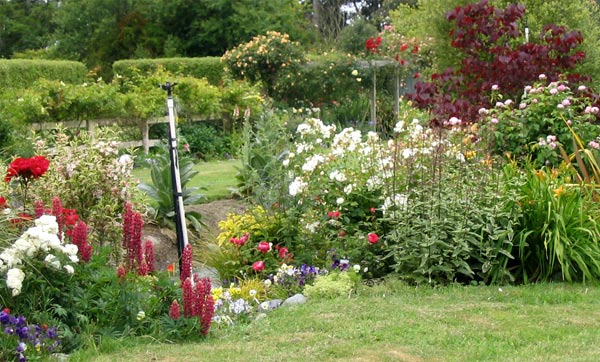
(241, 240)
(21, 218)
(403, 47)
(373, 210)
(372, 44)
(186, 263)
(283, 252)
(171, 268)
(264, 247)
(342, 233)
(258, 266)
(3, 202)
(121, 271)
(333, 214)
(372, 238)
(27, 168)
(174, 310)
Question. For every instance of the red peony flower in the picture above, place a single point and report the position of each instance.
(264, 247)
(27, 168)
(258, 266)
(3, 202)
(283, 252)
(372, 238)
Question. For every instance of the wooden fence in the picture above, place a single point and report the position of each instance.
(90, 126)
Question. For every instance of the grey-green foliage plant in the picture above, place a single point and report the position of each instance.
(451, 217)
(161, 190)
(261, 177)
(456, 228)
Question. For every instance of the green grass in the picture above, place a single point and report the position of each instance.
(215, 178)
(394, 322)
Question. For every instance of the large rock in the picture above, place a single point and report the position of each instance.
(294, 300)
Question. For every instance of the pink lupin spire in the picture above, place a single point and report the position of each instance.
(57, 211)
(188, 298)
(38, 207)
(186, 263)
(174, 310)
(149, 253)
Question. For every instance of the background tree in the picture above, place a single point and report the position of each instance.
(25, 25)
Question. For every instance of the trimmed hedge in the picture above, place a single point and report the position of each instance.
(210, 68)
(22, 73)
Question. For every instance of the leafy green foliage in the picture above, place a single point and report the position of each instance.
(205, 140)
(162, 194)
(210, 68)
(558, 235)
(21, 73)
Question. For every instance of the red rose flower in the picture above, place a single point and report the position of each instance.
(372, 238)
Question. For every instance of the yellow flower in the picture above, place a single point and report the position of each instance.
(559, 191)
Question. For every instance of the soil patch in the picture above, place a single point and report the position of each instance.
(165, 240)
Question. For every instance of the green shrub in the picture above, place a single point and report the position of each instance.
(22, 73)
(332, 285)
(205, 140)
(210, 68)
(538, 126)
(92, 177)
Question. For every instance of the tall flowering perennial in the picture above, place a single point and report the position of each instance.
(186, 263)
(29, 339)
(197, 302)
(204, 307)
(39, 242)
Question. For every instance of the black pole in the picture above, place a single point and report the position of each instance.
(180, 226)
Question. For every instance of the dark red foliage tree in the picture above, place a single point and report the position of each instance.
(495, 54)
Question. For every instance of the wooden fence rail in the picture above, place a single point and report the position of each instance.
(90, 126)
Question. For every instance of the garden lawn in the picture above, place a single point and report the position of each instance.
(394, 322)
(215, 178)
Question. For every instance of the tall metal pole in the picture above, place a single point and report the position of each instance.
(180, 226)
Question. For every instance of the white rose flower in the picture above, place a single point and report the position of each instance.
(69, 269)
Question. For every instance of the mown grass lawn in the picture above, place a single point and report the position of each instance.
(395, 322)
(215, 178)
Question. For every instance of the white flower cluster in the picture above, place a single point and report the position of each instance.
(39, 241)
(315, 127)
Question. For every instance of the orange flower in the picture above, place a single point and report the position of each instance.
(171, 268)
(559, 191)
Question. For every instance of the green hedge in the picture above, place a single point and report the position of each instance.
(22, 73)
(210, 68)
